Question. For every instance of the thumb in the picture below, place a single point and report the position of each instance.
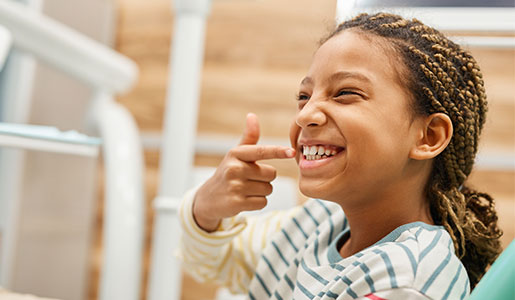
(251, 133)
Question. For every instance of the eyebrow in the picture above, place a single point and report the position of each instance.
(339, 76)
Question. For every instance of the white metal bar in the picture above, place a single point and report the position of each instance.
(29, 143)
(186, 60)
(498, 19)
(495, 161)
(183, 95)
(72, 52)
(209, 144)
(16, 85)
(124, 200)
(5, 45)
(47, 138)
(491, 42)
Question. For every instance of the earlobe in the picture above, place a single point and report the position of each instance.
(434, 136)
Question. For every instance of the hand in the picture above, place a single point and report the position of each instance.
(239, 183)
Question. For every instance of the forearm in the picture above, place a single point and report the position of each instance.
(213, 256)
(228, 255)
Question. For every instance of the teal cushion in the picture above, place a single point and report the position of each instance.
(499, 282)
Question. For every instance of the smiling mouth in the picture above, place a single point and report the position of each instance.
(316, 152)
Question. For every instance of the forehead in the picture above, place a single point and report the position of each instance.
(350, 51)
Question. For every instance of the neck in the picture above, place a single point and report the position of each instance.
(378, 217)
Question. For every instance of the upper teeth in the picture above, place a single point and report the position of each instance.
(318, 150)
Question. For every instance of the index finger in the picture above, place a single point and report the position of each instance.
(252, 153)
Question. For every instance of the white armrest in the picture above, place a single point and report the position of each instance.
(46, 138)
(69, 50)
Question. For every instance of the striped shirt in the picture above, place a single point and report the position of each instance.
(293, 255)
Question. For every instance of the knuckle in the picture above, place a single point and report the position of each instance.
(233, 170)
(278, 152)
(236, 186)
(232, 152)
(236, 200)
(260, 151)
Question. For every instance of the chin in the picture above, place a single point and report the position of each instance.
(312, 190)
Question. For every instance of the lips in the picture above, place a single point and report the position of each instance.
(314, 156)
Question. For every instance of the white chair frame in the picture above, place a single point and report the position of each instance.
(107, 73)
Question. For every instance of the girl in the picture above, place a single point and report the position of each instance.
(388, 122)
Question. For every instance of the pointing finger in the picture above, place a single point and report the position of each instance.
(252, 153)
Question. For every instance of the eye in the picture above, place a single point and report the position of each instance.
(346, 92)
(302, 99)
(302, 96)
(348, 96)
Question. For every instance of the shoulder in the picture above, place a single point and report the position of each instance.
(440, 273)
(414, 256)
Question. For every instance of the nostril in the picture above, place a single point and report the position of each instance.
(312, 124)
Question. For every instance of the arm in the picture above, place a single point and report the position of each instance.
(218, 244)
(229, 254)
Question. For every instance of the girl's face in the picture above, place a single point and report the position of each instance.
(353, 129)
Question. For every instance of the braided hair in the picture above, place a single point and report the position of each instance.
(443, 78)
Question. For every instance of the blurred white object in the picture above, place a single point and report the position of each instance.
(449, 19)
(186, 60)
(16, 85)
(106, 72)
(124, 215)
(5, 45)
(66, 49)
(46, 138)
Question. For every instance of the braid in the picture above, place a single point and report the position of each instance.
(442, 77)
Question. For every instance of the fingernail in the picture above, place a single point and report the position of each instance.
(289, 153)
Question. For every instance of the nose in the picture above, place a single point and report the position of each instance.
(311, 115)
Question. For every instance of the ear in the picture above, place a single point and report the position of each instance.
(434, 135)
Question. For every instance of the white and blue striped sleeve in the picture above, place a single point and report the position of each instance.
(441, 275)
(399, 293)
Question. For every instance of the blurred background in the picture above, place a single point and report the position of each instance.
(256, 53)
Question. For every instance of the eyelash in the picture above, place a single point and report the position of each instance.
(346, 92)
(302, 97)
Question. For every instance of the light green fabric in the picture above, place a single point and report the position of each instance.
(499, 282)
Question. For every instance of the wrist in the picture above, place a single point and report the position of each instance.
(205, 222)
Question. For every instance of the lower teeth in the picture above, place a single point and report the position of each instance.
(315, 157)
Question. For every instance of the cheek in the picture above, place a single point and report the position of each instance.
(377, 140)
(294, 134)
